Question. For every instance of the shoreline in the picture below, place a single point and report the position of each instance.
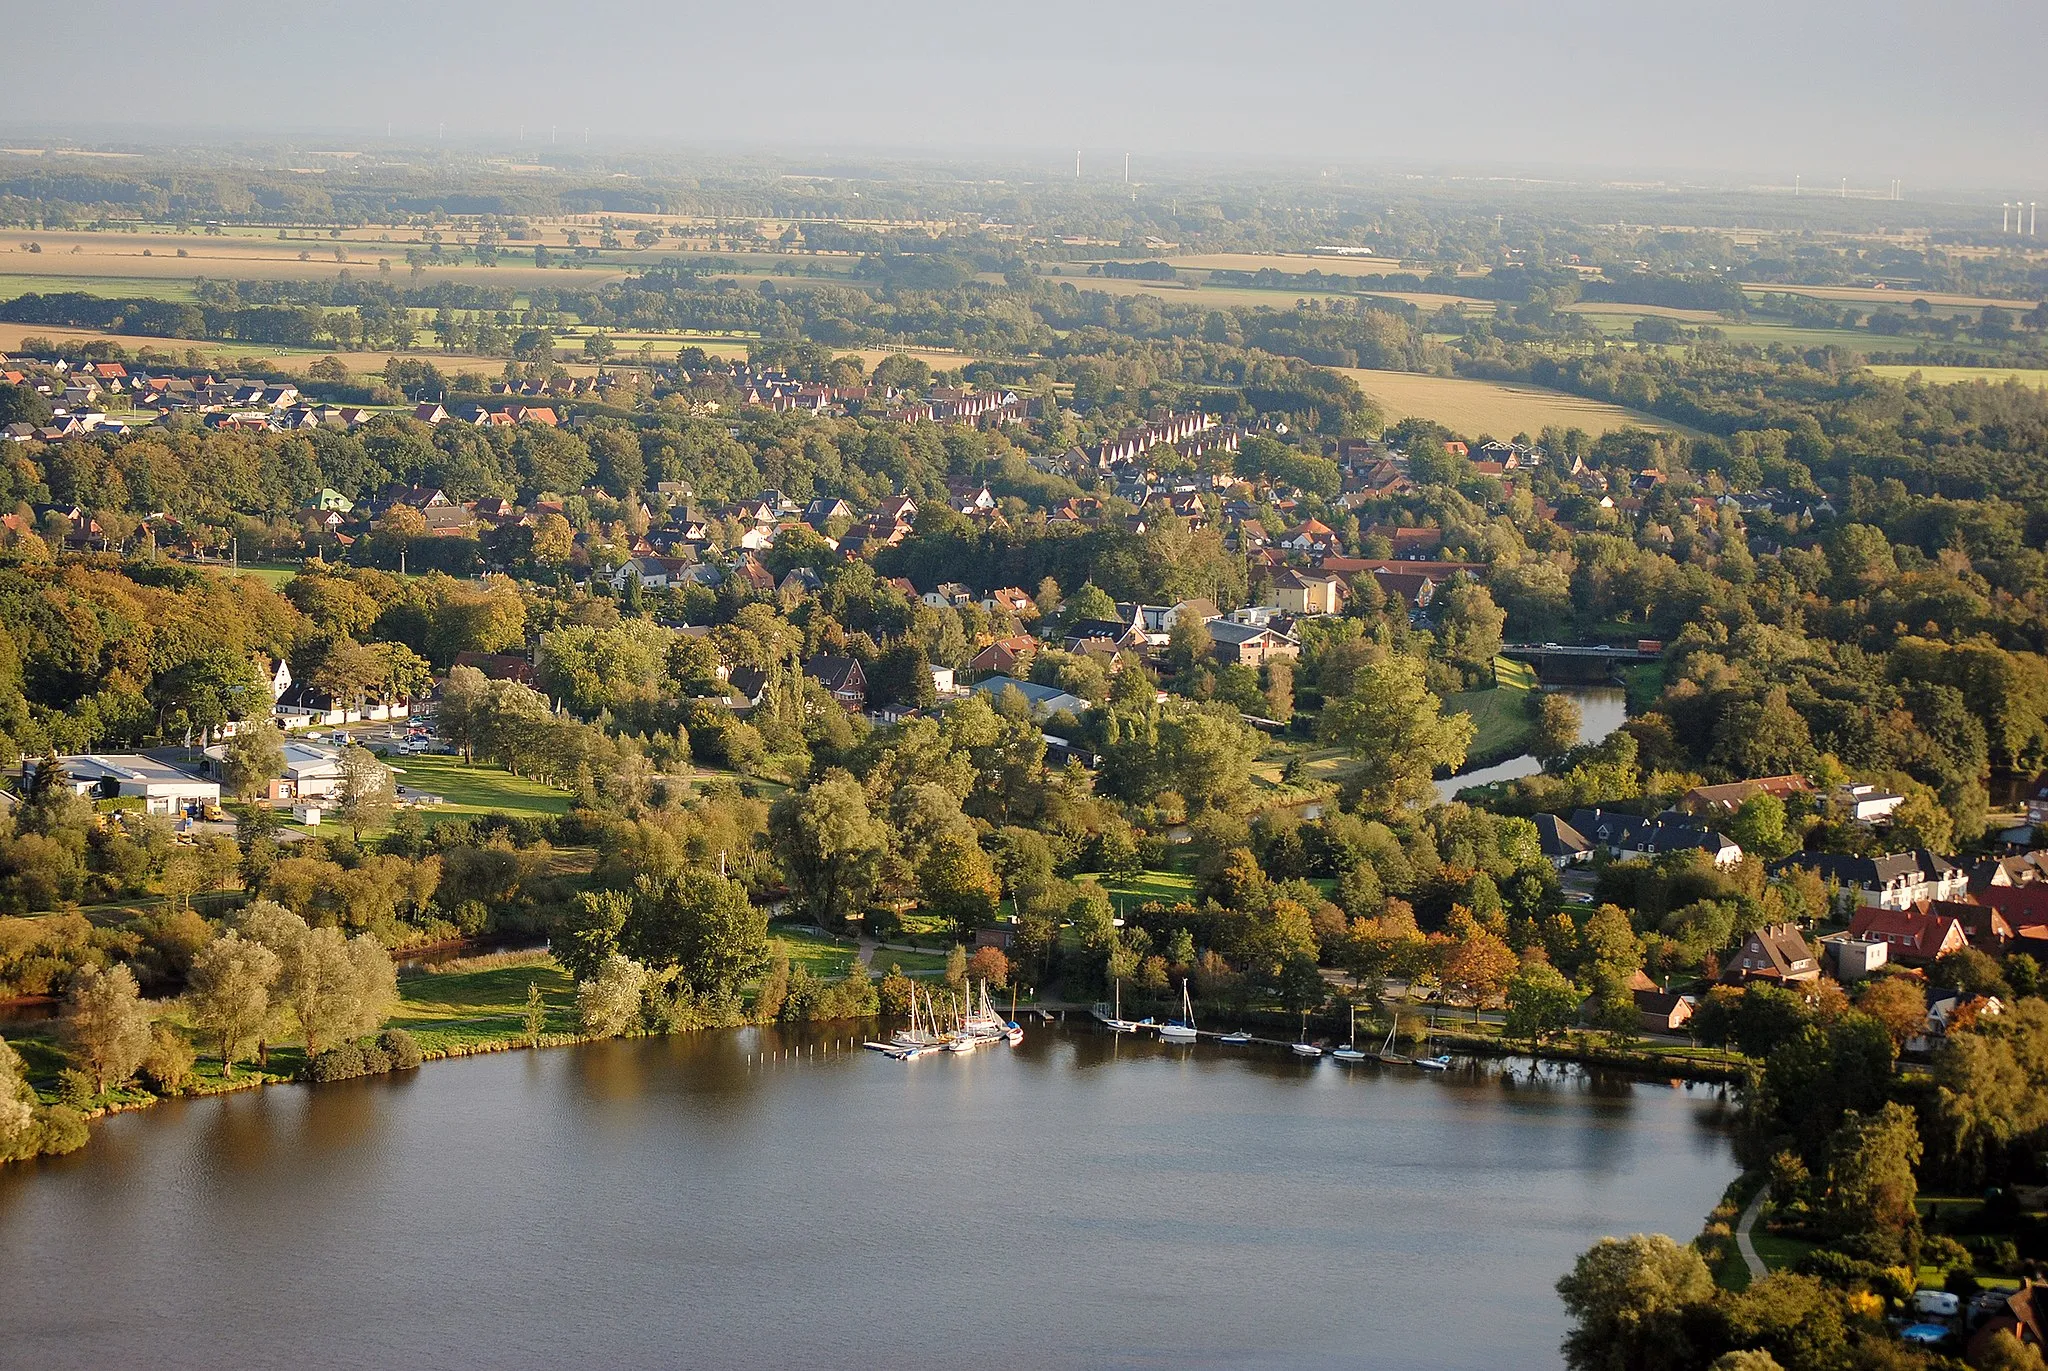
(1616, 1059)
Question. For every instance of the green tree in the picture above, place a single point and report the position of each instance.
(1870, 1186)
(609, 1003)
(1469, 626)
(1633, 1303)
(106, 1024)
(1397, 730)
(1759, 826)
(832, 847)
(1541, 1002)
(588, 934)
(229, 993)
(367, 793)
(252, 759)
(702, 923)
(535, 1019)
(1558, 724)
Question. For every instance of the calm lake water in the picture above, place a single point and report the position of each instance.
(1080, 1201)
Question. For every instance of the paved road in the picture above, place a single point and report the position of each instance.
(1757, 1269)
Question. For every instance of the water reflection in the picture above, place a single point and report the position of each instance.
(765, 1198)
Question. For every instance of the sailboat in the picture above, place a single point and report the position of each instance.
(1013, 1032)
(1348, 1052)
(1181, 1030)
(1303, 1047)
(1115, 1021)
(1387, 1052)
(1441, 1061)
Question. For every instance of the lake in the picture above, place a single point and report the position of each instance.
(1080, 1201)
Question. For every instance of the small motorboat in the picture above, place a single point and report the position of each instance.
(1441, 1062)
(1237, 1039)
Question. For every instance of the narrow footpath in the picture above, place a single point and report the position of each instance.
(1757, 1269)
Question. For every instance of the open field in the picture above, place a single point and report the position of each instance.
(1292, 262)
(1871, 295)
(1245, 296)
(476, 788)
(1949, 376)
(13, 285)
(1496, 407)
(1599, 308)
(1855, 340)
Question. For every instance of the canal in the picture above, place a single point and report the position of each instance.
(750, 1199)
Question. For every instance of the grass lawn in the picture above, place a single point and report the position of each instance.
(471, 788)
(1168, 887)
(273, 575)
(824, 956)
(464, 1008)
(1779, 1252)
(1502, 713)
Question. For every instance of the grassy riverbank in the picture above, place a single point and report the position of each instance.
(1504, 715)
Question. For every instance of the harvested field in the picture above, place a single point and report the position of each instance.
(1949, 376)
(1498, 408)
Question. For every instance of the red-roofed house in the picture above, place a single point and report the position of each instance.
(1917, 936)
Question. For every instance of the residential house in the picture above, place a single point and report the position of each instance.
(1564, 845)
(842, 677)
(1897, 880)
(948, 595)
(1705, 801)
(1003, 656)
(1415, 589)
(1304, 593)
(1249, 644)
(1663, 1011)
(1045, 700)
(1864, 805)
(1852, 959)
(1010, 600)
(1625, 836)
(1776, 953)
(2023, 1314)
(1915, 937)
(746, 686)
(1310, 536)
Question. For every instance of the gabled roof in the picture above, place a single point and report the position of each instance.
(1558, 838)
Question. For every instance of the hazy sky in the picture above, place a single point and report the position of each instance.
(1931, 92)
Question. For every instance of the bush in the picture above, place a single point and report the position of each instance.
(74, 1088)
(168, 1067)
(376, 1061)
(401, 1048)
(336, 1064)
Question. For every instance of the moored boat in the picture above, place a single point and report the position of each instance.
(1349, 1052)
(1181, 1030)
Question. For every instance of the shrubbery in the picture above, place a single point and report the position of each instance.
(391, 1050)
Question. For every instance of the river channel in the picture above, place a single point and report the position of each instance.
(1602, 709)
(1079, 1201)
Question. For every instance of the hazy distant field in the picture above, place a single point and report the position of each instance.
(1492, 407)
(1870, 295)
(1945, 376)
(1291, 262)
(1246, 296)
